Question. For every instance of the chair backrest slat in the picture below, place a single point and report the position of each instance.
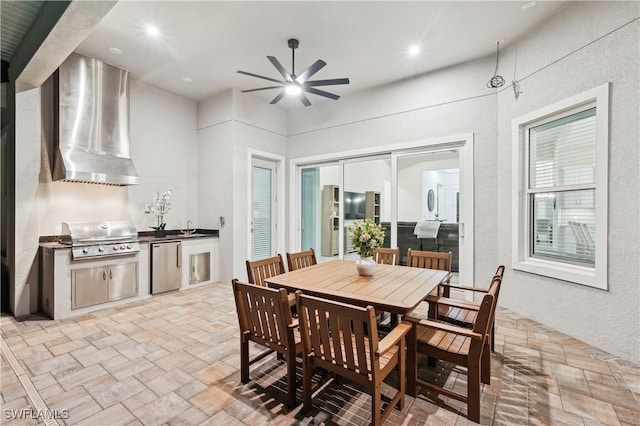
(301, 259)
(259, 270)
(340, 334)
(388, 256)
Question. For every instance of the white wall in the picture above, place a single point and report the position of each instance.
(229, 124)
(163, 149)
(606, 319)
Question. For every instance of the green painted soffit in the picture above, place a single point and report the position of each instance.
(43, 23)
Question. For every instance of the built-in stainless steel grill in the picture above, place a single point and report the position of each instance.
(90, 240)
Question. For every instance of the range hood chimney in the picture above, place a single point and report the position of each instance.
(86, 120)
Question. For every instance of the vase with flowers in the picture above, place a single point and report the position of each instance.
(366, 236)
(160, 207)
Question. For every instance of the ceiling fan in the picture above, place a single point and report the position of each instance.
(297, 84)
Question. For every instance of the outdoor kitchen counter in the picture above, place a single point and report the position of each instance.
(147, 237)
(53, 241)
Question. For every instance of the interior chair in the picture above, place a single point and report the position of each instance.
(387, 256)
(458, 345)
(301, 259)
(335, 338)
(459, 312)
(431, 260)
(264, 317)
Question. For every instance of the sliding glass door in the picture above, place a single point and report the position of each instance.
(366, 195)
(422, 195)
(428, 203)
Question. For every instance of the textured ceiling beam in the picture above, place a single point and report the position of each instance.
(57, 30)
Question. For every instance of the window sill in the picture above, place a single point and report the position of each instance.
(562, 271)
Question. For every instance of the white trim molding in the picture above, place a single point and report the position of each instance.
(521, 259)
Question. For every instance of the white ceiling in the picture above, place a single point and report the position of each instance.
(367, 42)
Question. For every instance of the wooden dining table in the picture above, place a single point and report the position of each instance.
(391, 288)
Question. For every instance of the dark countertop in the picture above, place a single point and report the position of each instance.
(145, 237)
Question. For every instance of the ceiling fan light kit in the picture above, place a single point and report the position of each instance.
(297, 85)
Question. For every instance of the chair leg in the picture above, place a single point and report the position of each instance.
(376, 404)
(244, 360)
(307, 372)
(412, 361)
(291, 379)
(401, 373)
(485, 370)
(473, 392)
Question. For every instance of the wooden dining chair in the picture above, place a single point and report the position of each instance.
(335, 337)
(387, 256)
(430, 260)
(460, 312)
(259, 270)
(458, 345)
(301, 259)
(264, 317)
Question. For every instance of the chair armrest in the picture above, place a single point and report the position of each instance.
(466, 287)
(391, 339)
(294, 324)
(445, 327)
(455, 303)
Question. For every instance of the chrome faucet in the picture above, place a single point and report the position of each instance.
(188, 231)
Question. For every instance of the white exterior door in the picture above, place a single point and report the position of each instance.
(263, 216)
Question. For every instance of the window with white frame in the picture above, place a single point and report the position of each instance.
(560, 196)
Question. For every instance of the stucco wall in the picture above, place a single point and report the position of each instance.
(606, 319)
(229, 124)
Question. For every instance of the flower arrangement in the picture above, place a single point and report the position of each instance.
(160, 207)
(366, 237)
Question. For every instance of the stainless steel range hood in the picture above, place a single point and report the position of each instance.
(86, 120)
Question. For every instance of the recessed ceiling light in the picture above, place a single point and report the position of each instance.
(115, 50)
(414, 50)
(187, 80)
(153, 30)
(528, 5)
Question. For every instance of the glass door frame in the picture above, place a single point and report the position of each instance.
(463, 143)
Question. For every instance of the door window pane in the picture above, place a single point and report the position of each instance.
(262, 208)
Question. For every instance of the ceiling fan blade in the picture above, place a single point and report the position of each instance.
(261, 88)
(327, 82)
(314, 68)
(277, 98)
(280, 68)
(260, 76)
(305, 101)
(321, 93)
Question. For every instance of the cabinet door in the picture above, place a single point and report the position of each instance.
(123, 281)
(89, 287)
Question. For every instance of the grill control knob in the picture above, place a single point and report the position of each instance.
(100, 249)
(85, 250)
(122, 246)
(116, 247)
(129, 246)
